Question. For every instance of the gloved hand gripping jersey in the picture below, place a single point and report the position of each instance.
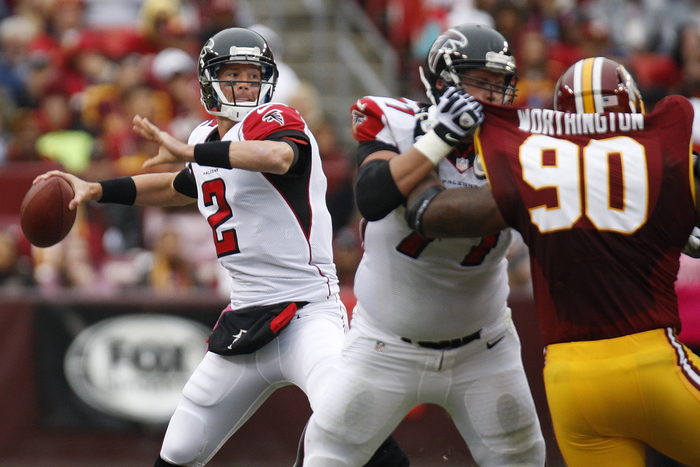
(458, 116)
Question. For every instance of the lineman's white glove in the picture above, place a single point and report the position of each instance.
(457, 117)
(458, 114)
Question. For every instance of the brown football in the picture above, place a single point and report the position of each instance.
(44, 215)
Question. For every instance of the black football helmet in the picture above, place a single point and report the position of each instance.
(469, 46)
(597, 85)
(234, 45)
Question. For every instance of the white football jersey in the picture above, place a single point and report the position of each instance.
(273, 233)
(422, 288)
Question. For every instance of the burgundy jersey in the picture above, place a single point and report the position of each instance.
(605, 203)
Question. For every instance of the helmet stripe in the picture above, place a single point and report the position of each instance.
(598, 83)
(578, 96)
(587, 86)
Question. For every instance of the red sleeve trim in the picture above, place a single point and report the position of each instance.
(296, 140)
(367, 119)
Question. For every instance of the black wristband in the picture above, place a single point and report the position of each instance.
(415, 211)
(214, 154)
(119, 191)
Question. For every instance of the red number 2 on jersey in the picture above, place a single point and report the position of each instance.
(226, 241)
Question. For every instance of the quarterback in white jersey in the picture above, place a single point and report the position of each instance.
(431, 323)
(255, 173)
(276, 245)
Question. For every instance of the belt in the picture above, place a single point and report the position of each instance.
(445, 345)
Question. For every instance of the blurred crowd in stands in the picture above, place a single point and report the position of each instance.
(657, 40)
(73, 73)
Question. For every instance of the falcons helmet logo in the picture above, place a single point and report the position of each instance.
(451, 41)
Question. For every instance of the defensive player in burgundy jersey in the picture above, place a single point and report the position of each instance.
(432, 323)
(255, 173)
(605, 198)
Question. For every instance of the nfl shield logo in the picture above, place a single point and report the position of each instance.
(462, 164)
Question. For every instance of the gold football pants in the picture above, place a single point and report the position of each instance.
(608, 398)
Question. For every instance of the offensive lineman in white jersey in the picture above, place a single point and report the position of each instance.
(431, 324)
(256, 175)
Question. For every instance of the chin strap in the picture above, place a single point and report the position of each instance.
(428, 87)
(448, 75)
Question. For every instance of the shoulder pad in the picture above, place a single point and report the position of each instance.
(202, 132)
(268, 119)
(366, 119)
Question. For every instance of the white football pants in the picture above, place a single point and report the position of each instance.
(224, 392)
(381, 378)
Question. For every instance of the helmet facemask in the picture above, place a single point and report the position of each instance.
(214, 89)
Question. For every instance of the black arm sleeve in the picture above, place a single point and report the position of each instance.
(376, 193)
(185, 183)
(365, 148)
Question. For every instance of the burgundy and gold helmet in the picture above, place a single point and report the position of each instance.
(597, 85)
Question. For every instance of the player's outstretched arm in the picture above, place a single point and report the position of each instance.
(273, 157)
(170, 148)
(158, 189)
(84, 191)
(144, 190)
(460, 212)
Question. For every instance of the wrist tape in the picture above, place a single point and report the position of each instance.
(433, 147)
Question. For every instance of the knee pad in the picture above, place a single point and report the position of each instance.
(184, 440)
